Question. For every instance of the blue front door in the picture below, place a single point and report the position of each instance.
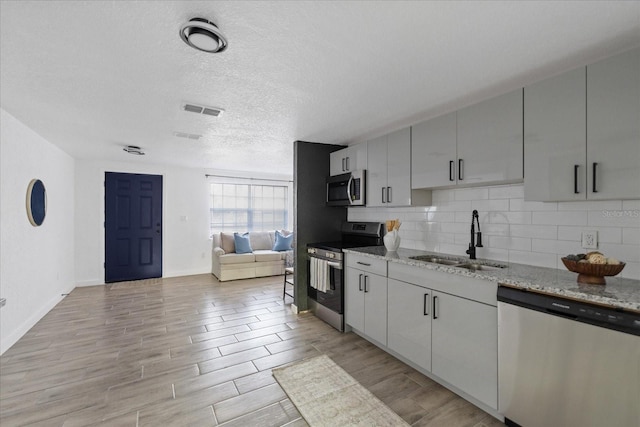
(133, 226)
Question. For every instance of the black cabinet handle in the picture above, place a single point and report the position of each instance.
(424, 304)
(343, 164)
(575, 179)
(388, 194)
(595, 169)
(360, 282)
(347, 164)
(366, 281)
(383, 198)
(363, 263)
(435, 299)
(452, 176)
(460, 163)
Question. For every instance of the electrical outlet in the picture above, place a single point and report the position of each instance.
(590, 239)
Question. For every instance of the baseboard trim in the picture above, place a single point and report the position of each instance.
(7, 341)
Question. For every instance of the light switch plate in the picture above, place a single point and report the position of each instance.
(590, 239)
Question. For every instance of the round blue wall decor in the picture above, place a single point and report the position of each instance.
(36, 202)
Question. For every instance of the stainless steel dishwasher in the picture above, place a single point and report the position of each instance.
(566, 363)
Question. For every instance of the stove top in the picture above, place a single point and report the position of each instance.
(354, 235)
(336, 246)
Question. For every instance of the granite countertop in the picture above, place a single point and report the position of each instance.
(617, 293)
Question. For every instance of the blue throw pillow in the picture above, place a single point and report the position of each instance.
(283, 243)
(243, 245)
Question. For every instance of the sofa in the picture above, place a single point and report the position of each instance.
(263, 261)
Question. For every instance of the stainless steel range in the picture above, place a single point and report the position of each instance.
(325, 279)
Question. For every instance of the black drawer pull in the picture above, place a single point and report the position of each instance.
(575, 179)
(595, 169)
(424, 306)
(435, 299)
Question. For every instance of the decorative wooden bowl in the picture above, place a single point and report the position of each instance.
(592, 274)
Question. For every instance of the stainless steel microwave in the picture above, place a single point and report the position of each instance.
(347, 189)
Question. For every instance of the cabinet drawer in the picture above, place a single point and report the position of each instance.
(368, 264)
(479, 290)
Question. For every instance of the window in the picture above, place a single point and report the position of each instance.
(248, 207)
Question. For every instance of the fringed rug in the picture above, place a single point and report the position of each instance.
(326, 395)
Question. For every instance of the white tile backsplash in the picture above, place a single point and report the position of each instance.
(539, 231)
(631, 236)
(481, 193)
(560, 218)
(515, 230)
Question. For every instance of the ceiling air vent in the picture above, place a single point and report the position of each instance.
(201, 109)
(187, 135)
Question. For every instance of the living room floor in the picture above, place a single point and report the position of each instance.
(193, 351)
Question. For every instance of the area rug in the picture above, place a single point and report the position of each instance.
(326, 395)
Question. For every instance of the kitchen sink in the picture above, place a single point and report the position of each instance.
(436, 260)
(480, 267)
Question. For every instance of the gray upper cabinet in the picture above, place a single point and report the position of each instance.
(348, 159)
(433, 152)
(555, 138)
(480, 144)
(613, 127)
(582, 133)
(490, 140)
(389, 169)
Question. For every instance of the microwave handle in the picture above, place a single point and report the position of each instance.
(349, 187)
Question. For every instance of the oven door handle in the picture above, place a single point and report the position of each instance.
(335, 265)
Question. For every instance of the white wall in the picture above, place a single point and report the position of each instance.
(516, 231)
(186, 246)
(36, 263)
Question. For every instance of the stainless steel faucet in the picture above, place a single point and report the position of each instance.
(474, 243)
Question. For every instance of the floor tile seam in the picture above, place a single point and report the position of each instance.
(35, 390)
(226, 423)
(285, 409)
(244, 394)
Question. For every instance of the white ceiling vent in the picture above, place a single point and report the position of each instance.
(187, 135)
(201, 109)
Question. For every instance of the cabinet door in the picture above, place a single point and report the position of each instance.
(377, 172)
(490, 140)
(399, 168)
(375, 307)
(358, 156)
(354, 299)
(409, 322)
(613, 127)
(338, 162)
(555, 138)
(465, 346)
(433, 152)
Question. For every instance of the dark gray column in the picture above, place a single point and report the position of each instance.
(313, 220)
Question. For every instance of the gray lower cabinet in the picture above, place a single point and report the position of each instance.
(447, 325)
(409, 322)
(464, 346)
(366, 297)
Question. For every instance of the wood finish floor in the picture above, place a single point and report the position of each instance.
(194, 351)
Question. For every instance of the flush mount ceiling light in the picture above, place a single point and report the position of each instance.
(134, 149)
(203, 35)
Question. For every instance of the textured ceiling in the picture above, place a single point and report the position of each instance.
(94, 76)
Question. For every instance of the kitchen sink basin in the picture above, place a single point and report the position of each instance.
(435, 260)
(480, 267)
